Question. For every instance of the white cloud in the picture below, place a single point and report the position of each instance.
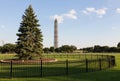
(72, 11)
(99, 12)
(71, 15)
(118, 10)
(58, 17)
(90, 9)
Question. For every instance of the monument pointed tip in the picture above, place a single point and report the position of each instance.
(55, 19)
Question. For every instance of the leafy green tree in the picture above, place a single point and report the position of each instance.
(67, 49)
(8, 48)
(105, 48)
(46, 50)
(73, 48)
(97, 48)
(118, 45)
(58, 50)
(52, 49)
(113, 49)
(88, 49)
(29, 42)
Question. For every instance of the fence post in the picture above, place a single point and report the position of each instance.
(41, 68)
(86, 65)
(100, 63)
(11, 68)
(113, 61)
(67, 67)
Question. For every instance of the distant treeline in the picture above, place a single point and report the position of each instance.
(102, 49)
(62, 49)
(11, 48)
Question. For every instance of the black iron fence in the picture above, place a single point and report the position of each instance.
(67, 67)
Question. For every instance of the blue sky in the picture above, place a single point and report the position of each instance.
(82, 23)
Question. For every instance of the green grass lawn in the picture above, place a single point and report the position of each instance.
(112, 74)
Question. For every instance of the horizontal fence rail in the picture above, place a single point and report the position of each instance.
(85, 63)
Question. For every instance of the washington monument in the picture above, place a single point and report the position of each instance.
(55, 34)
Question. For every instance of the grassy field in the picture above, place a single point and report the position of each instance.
(112, 74)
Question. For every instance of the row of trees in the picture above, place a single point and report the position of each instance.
(62, 49)
(12, 48)
(101, 49)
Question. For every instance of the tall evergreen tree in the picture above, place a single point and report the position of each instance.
(29, 42)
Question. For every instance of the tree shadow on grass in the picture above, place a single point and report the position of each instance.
(21, 71)
(36, 72)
